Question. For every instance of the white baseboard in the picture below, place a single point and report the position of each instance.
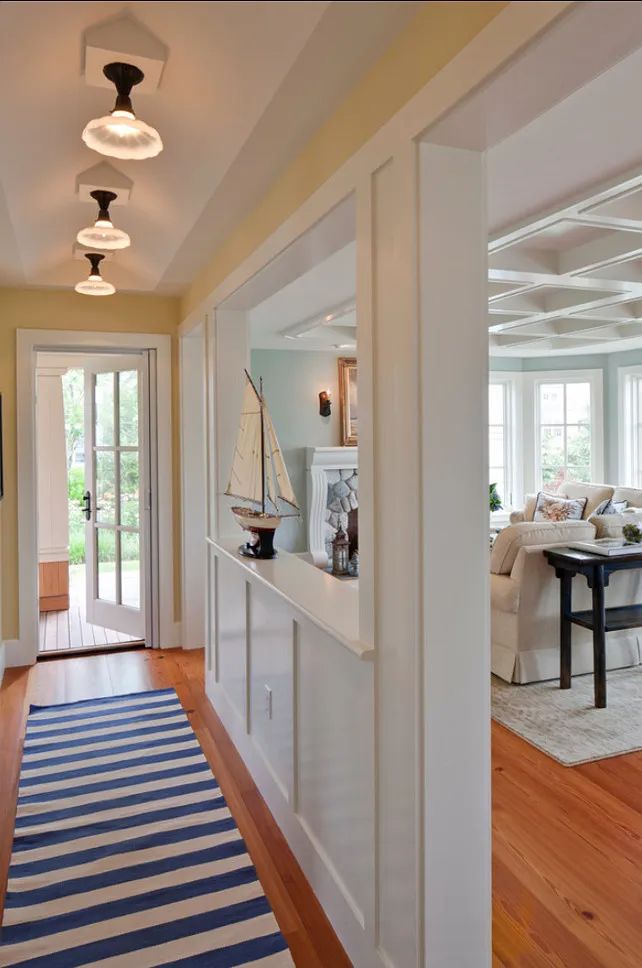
(15, 654)
(3, 660)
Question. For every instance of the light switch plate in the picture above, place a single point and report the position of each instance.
(268, 701)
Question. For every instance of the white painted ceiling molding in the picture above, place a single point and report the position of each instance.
(570, 280)
(127, 40)
(105, 177)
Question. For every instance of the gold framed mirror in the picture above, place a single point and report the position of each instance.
(348, 405)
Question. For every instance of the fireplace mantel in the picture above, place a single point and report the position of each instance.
(320, 460)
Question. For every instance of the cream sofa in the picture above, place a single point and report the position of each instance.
(525, 595)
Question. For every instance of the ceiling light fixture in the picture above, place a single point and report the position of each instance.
(121, 134)
(95, 285)
(102, 234)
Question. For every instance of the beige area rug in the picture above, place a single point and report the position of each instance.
(565, 724)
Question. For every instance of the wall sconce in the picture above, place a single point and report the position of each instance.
(325, 403)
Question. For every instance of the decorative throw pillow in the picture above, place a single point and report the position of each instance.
(551, 507)
(611, 507)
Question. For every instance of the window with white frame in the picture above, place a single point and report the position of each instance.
(501, 438)
(630, 391)
(568, 428)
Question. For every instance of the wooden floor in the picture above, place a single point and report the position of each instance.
(61, 631)
(567, 841)
(312, 941)
(567, 859)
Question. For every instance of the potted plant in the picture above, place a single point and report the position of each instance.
(495, 500)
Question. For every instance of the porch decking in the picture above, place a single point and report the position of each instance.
(69, 630)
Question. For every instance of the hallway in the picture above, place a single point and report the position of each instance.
(559, 833)
(311, 939)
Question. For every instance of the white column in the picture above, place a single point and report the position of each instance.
(53, 518)
(423, 384)
(193, 484)
(454, 535)
(229, 348)
(390, 541)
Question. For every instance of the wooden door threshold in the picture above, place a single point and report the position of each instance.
(96, 650)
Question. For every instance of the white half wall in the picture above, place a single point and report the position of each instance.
(193, 487)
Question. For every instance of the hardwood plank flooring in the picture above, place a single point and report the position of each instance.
(62, 631)
(567, 855)
(310, 936)
(567, 859)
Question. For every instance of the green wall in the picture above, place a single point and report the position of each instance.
(609, 363)
(292, 380)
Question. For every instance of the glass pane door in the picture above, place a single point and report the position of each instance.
(115, 486)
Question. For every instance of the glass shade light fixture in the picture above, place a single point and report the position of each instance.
(102, 234)
(94, 284)
(121, 134)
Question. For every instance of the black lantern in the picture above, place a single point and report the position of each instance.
(340, 553)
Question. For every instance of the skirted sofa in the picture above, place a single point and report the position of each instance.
(525, 594)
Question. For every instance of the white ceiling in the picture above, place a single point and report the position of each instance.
(296, 317)
(565, 208)
(244, 86)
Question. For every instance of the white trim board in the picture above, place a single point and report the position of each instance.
(28, 342)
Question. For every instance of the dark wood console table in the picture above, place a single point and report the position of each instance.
(597, 570)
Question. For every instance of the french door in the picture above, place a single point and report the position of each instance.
(117, 492)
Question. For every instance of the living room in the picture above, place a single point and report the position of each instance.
(564, 443)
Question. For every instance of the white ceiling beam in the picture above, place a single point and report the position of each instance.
(526, 303)
(523, 259)
(566, 343)
(501, 339)
(625, 207)
(629, 330)
(618, 313)
(498, 289)
(572, 325)
(629, 271)
(609, 248)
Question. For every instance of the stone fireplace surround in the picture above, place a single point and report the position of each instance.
(333, 491)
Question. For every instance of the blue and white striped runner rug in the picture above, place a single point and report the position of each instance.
(125, 853)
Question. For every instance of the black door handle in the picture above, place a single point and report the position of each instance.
(86, 505)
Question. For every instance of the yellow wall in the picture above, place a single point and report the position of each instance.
(431, 39)
(56, 309)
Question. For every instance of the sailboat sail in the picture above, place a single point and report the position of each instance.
(284, 487)
(246, 480)
(245, 476)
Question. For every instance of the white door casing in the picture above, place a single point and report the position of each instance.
(160, 615)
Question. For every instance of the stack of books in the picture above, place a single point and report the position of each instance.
(607, 547)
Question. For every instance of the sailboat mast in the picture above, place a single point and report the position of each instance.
(262, 446)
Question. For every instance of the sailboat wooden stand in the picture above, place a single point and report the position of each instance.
(259, 475)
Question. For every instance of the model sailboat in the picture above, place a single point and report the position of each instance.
(259, 475)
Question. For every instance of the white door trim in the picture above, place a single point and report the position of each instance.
(24, 651)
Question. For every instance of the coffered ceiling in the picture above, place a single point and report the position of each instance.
(242, 88)
(571, 279)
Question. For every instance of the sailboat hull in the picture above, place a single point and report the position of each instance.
(261, 527)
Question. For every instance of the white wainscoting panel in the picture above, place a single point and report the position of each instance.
(231, 637)
(271, 661)
(313, 760)
(335, 746)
